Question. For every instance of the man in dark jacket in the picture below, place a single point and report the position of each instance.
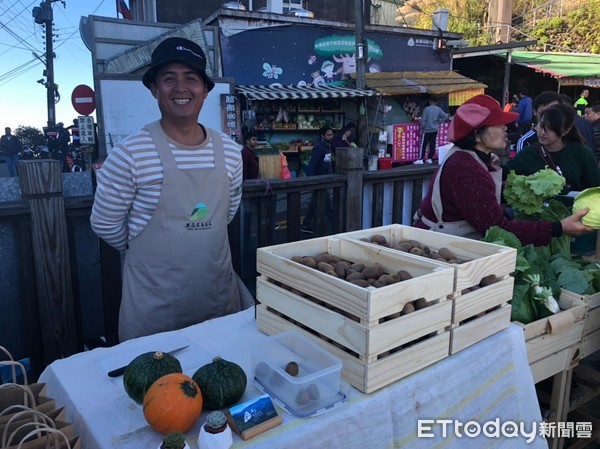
(319, 164)
(592, 115)
(10, 147)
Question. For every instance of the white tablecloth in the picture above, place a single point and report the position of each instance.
(486, 381)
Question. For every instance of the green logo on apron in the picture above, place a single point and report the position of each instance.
(199, 212)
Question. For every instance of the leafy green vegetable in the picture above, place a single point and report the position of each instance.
(528, 193)
(551, 270)
(589, 198)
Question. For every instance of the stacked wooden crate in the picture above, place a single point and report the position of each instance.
(553, 343)
(590, 340)
(362, 326)
(477, 313)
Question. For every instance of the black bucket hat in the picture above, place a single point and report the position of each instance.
(181, 50)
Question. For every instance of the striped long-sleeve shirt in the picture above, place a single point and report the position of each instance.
(130, 181)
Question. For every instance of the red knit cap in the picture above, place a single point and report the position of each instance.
(479, 111)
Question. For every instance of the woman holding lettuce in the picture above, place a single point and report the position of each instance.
(560, 147)
(464, 194)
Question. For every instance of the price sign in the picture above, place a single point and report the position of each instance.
(230, 114)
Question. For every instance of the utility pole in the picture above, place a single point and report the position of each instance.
(43, 16)
(361, 48)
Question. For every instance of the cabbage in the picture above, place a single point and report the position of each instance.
(589, 198)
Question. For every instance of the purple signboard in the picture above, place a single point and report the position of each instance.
(300, 55)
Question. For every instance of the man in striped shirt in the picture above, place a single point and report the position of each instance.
(165, 196)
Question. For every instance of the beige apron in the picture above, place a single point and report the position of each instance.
(178, 270)
(460, 228)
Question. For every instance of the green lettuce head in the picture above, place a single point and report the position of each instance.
(589, 198)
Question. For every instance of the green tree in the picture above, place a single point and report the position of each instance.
(31, 136)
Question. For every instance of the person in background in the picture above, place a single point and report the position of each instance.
(582, 102)
(74, 130)
(250, 161)
(464, 194)
(165, 196)
(10, 147)
(319, 164)
(51, 136)
(432, 117)
(583, 126)
(592, 115)
(560, 148)
(344, 137)
(541, 102)
(525, 111)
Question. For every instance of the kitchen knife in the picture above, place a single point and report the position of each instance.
(119, 371)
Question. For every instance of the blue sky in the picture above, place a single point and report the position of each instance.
(22, 99)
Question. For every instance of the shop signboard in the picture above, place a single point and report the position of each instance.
(407, 141)
(230, 115)
(298, 55)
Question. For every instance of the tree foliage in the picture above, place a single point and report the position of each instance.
(577, 30)
(29, 135)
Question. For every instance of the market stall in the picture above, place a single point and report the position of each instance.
(500, 387)
(288, 118)
(405, 95)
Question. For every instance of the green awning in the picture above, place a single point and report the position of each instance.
(559, 65)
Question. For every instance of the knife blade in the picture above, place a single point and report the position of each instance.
(119, 371)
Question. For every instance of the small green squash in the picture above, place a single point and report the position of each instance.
(145, 369)
(222, 383)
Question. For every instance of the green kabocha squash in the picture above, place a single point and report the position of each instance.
(222, 383)
(145, 369)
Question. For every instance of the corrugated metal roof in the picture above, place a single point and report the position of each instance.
(559, 65)
(298, 93)
(434, 83)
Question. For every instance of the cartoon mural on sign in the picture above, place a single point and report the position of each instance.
(293, 55)
(343, 51)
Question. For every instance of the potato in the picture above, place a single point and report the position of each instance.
(425, 248)
(334, 259)
(297, 259)
(404, 246)
(420, 303)
(292, 369)
(408, 308)
(488, 280)
(323, 257)
(373, 271)
(384, 278)
(446, 253)
(394, 278)
(357, 266)
(379, 239)
(414, 243)
(360, 282)
(332, 273)
(309, 262)
(404, 275)
(340, 269)
(325, 267)
(379, 284)
(355, 276)
(417, 251)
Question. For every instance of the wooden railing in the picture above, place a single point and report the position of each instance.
(47, 271)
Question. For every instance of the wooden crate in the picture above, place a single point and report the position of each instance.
(480, 313)
(269, 166)
(479, 259)
(353, 321)
(590, 341)
(553, 343)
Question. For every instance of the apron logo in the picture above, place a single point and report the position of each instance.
(199, 212)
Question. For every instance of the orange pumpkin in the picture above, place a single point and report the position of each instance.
(173, 403)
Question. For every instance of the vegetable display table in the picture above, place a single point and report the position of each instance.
(487, 381)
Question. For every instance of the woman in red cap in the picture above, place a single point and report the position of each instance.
(464, 194)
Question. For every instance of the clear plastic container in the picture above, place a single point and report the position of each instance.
(318, 377)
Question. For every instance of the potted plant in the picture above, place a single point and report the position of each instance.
(174, 440)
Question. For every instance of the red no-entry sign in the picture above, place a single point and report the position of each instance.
(83, 99)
